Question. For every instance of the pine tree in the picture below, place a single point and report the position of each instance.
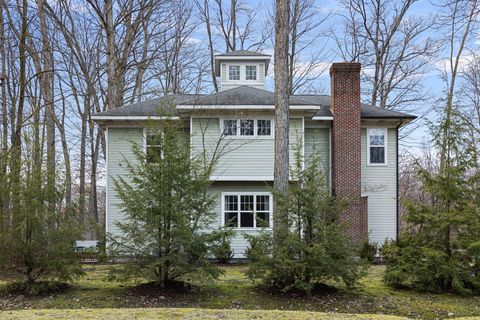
(168, 211)
(441, 249)
(315, 248)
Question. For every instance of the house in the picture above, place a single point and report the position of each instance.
(357, 145)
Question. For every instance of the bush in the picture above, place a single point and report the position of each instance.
(368, 251)
(221, 247)
(314, 248)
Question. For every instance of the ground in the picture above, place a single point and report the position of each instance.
(100, 299)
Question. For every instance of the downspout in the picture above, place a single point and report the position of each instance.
(398, 193)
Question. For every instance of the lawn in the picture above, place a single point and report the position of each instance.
(234, 296)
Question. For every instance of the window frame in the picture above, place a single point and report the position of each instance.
(239, 195)
(256, 72)
(145, 142)
(255, 128)
(239, 72)
(385, 147)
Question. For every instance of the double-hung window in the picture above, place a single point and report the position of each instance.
(247, 210)
(247, 127)
(234, 72)
(376, 146)
(153, 145)
(251, 72)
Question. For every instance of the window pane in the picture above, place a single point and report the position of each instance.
(263, 220)
(251, 72)
(234, 72)
(264, 127)
(263, 203)
(231, 219)
(377, 137)
(230, 127)
(231, 203)
(246, 203)
(246, 127)
(246, 219)
(377, 154)
(154, 153)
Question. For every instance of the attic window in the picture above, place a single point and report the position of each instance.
(251, 72)
(234, 72)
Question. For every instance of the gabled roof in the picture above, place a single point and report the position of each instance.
(242, 97)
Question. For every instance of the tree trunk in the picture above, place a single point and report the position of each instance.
(281, 165)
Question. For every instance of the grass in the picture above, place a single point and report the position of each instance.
(234, 291)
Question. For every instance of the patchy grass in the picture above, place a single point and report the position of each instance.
(235, 291)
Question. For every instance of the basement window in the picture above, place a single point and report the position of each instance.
(376, 146)
(251, 210)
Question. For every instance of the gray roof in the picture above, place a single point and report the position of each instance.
(242, 53)
(242, 95)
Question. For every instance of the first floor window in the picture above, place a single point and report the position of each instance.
(376, 145)
(247, 210)
(153, 145)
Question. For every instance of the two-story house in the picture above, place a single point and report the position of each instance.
(357, 145)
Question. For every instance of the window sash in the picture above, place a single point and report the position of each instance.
(377, 146)
(250, 72)
(234, 72)
(245, 212)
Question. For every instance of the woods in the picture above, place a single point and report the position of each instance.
(63, 61)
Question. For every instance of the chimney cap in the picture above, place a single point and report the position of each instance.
(345, 67)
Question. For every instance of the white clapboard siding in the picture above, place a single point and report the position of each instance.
(317, 144)
(239, 156)
(379, 183)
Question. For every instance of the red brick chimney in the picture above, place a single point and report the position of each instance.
(346, 146)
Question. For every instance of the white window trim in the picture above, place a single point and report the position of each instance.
(145, 133)
(385, 164)
(246, 193)
(255, 128)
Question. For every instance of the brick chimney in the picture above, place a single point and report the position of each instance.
(346, 146)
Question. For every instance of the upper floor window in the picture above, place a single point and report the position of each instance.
(247, 127)
(153, 145)
(247, 210)
(234, 72)
(251, 72)
(376, 146)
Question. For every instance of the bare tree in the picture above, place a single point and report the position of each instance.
(394, 47)
(281, 165)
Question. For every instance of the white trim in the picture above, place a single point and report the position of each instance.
(241, 178)
(248, 107)
(330, 182)
(247, 193)
(303, 143)
(190, 135)
(267, 57)
(385, 164)
(107, 203)
(328, 118)
(94, 117)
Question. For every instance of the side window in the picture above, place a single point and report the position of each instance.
(153, 145)
(234, 72)
(376, 142)
(251, 72)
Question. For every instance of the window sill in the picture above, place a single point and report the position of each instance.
(249, 229)
(377, 164)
